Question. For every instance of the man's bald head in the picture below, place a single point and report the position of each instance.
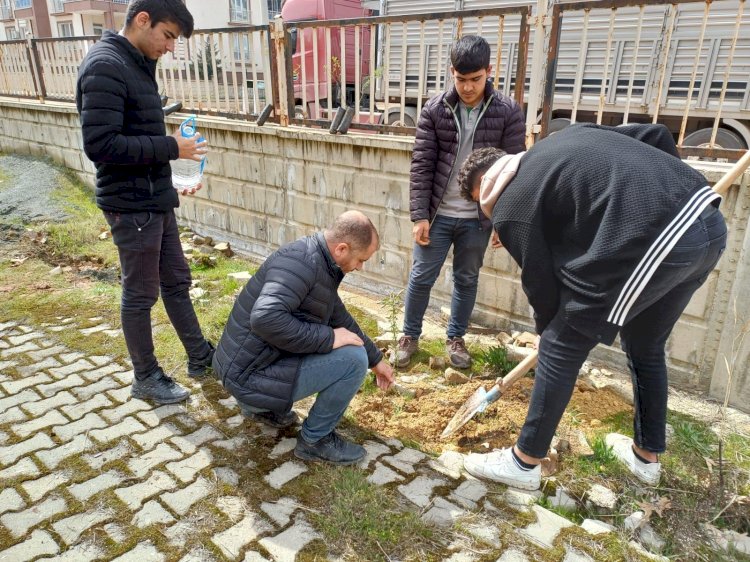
(353, 228)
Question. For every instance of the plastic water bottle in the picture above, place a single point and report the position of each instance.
(186, 174)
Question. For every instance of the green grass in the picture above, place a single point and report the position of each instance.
(495, 360)
(366, 322)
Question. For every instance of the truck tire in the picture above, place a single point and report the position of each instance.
(724, 139)
(410, 116)
(557, 124)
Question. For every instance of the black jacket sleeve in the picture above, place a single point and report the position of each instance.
(275, 317)
(423, 163)
(102, 94)
(342, 319)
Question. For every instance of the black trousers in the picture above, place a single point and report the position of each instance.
(562, 349)
(152, 260)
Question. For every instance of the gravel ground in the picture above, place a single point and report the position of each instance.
(25, 193)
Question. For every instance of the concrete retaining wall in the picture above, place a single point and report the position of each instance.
(266, 186)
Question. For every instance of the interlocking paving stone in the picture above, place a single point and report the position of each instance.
(233, 540)
(71, 357)
(186, 469)
(40, 543)
(383, 475)
(235, 421)
(513, 555)
(374, 450)
(98, 460)
(443, 513)
(38, 367)
(79, 409)
(229, 403)
(125, 377)
(69, 369)
(89, 422)
(127, 426)
(188, 444)
(284, 473)
(115, 531)
(86, 490)
(151, 514)
(10, 500)
(37, 489)
(28, 346)
(20, 522)
(101, 360)
(284, 547)
(226, 475)
(81, 552)
(155, 417)
(182, 500)
(419, 490)
(64, 384)
(283, 447)
(18, 385)
(521, 500)
(280, 511)
(121, 395)
(596, 527)
(405, 460)
(134, 496)
(53, 417)
(18, 340)
(11, 453)
(42, 406)
(4, 437)
(573, 555)
(51, 458)
(469, 493)
(253, 556)
(546, 528)
(143, 552)
(86, 392)
(7, 364)
(71, 528)
(233, 444)
(153, 437)
(25, 468)
(44, 353)
(233, 507)
(198, 554)
(114, 415)
(487, 532)
(101, 372)
(141, 465)
(12, 415)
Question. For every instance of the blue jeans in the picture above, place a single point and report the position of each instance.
(335, 377)
(469, 242)
(151, 260)
(562, 349)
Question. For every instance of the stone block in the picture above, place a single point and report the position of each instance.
(186, 469)
(11, 453)
(284, 473)
(143, 552)
(182, 500)
(233, 540)
(85, 425)
(71, 528)
(419, 490)
(86, 490)
(77, 410)
(134, 496)
(22, 398)
(42, 406)
(141, 465)
(64, 384)
(35, 425)
(86, 392)
(152, 514)
(20, 522)
(10, 500)
(25, 468)
(126, 427)
(285, 546)
(546, 528)
(37, 489)
(40, 543)
(16, 386)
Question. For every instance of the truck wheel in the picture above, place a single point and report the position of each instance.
(557, 124)
(410, 117)
(724, 139)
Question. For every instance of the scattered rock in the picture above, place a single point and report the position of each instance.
(637, 524)
(104, 235)
(525, 339)
(403, 391)
(240, 275)
(56, 271)
(187, 249)
(437, 363)
(729, 539)
(601, 499)
(198, 240)
(196, 293)
(505, 338)
(585, 384)
(579, 445)
(224, 249)
(562, 500)
(596, 527)
(560, 445)
(669, 432)
(455, 377)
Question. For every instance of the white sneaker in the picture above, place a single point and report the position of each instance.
(622, 447)
(499, 466)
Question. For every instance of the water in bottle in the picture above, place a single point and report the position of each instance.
(186, 174)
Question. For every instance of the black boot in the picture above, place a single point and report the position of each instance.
(270, 418)
(199, 367)
(332, 448)
(159, 388)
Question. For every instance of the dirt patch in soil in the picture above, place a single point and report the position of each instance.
(423, 419)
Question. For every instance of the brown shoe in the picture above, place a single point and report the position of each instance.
(457, 352)
(407, 346)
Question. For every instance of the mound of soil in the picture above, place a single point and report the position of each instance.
(423, 419)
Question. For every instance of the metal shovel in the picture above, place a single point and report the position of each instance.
(482, 398)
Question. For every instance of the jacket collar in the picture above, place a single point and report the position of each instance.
(333, 267)
(452, 98)
(123, 43)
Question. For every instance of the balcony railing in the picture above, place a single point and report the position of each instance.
(21, 4)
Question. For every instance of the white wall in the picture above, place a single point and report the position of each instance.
(209, 14)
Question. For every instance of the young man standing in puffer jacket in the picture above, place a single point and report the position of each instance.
(469, 116)
(124, 134)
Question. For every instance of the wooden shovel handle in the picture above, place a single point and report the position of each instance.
(520, 370)
(734, 172)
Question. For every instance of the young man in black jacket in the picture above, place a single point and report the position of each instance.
(125, 136)
(289, 336)
(470, 115)
(614, 234)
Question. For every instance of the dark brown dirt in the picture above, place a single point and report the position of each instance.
(422, 420)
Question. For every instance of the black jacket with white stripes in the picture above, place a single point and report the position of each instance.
(590, 214)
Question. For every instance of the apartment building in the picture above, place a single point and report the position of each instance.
(21, 19)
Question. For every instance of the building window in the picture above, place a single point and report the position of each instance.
(98, 29)
(242, 43)
(274, 8)
(12, 33)
(65, 29)
(238, 11)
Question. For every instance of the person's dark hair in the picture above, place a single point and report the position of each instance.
(470, 54)
(474, 166)
(173, 11)
(353, 228)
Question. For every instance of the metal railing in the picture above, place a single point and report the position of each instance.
(685, 63)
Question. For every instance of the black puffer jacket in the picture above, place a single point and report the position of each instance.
(501, 124)
(123, 128)
(286, 311)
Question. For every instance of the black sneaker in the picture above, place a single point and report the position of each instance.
(199, 367)
(269, 418)
(332, 448)
(159, 388)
